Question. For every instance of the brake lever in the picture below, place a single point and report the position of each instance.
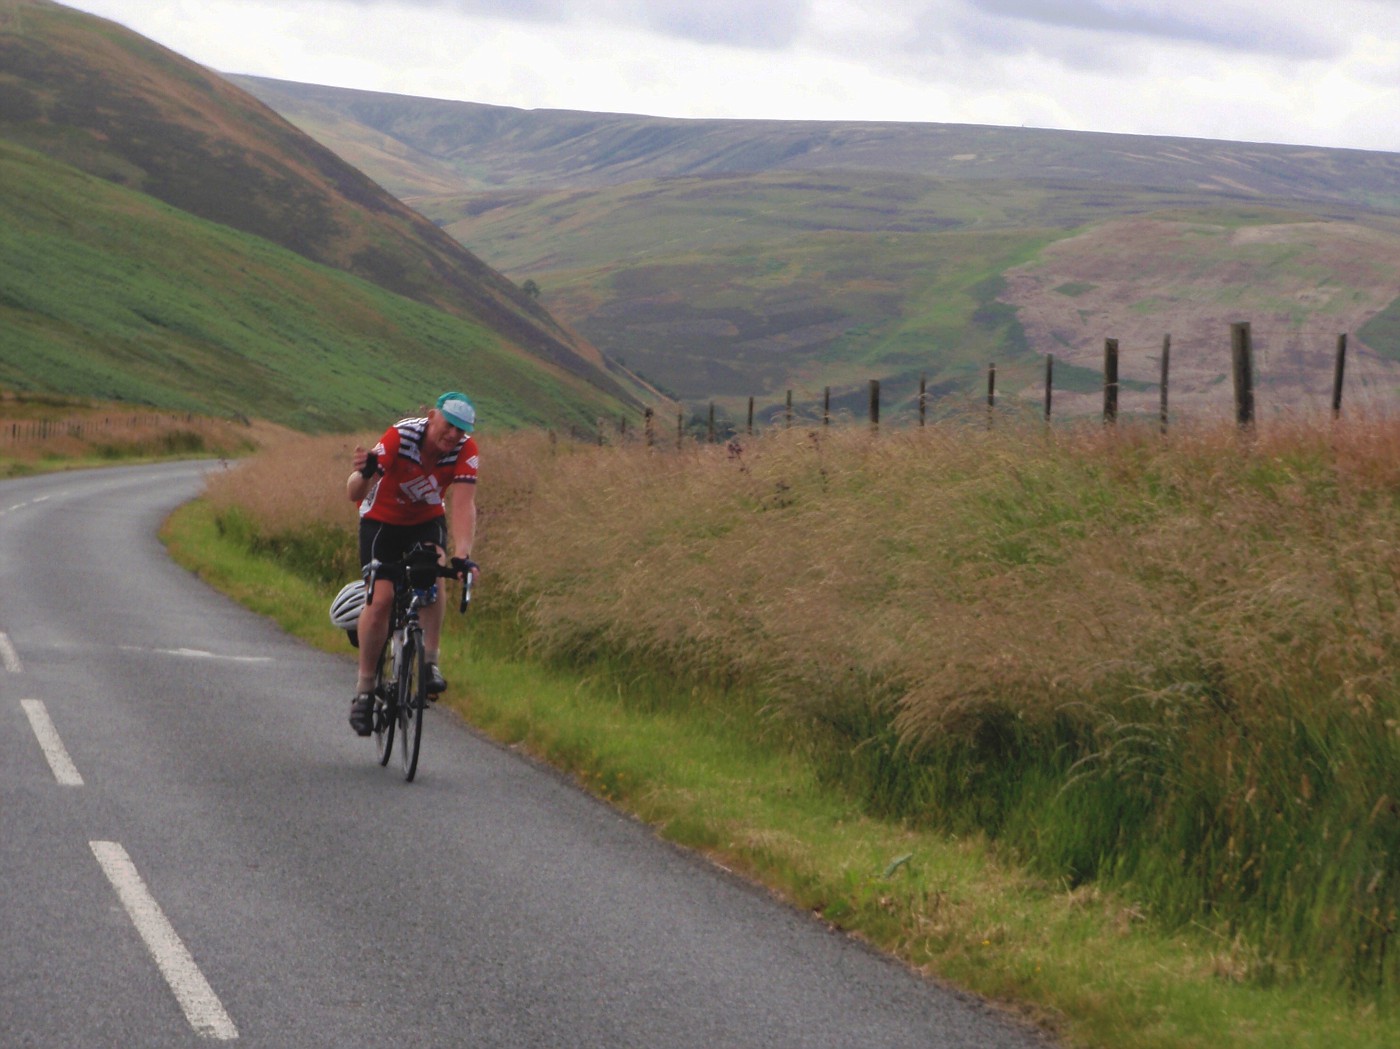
(371, 575)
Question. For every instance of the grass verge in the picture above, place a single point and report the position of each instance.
(1081, 962)
(45, 433)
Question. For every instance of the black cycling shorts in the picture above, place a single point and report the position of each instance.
(390, 542)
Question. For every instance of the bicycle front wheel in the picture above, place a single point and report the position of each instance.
(385, 706)
(413, 697)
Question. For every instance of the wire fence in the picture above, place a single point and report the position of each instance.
(18, 431)
(1291, 365)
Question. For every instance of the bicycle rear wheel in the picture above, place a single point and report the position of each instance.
(385, 706)
(413, 697)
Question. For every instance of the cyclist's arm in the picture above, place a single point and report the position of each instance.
(357, 485)
(462, 520)
(367, 466)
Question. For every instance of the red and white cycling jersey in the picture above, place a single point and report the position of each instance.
(408, 492)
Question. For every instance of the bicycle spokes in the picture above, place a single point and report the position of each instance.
(412, 685)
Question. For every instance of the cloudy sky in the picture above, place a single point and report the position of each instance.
(1313, 72)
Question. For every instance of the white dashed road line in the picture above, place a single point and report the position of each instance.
(202, 1007)
(21, 506)
(49, 742)
(199, 653)
(9, 658)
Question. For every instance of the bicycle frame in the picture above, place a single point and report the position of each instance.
(400, 686)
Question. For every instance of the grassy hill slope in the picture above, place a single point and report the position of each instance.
(106, 292)
(501, 147)
(94, 95)
(752, 285)
(728, 259)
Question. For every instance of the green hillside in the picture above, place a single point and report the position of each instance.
(727, 259)
(731, 287)
(96, 97)
(108, 293)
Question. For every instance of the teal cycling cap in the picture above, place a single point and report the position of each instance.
(457, 410)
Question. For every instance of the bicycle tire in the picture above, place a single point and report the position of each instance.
(385, 707)
(413, 697)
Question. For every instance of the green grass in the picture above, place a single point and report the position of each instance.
(55, 463)
(123, 454)
(110, 294)
(1383, 331)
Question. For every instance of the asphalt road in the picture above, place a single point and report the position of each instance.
(194, 847)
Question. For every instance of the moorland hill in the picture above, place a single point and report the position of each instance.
(732, 258)
(98, 122)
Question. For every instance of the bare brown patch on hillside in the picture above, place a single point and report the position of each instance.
(1298, 284)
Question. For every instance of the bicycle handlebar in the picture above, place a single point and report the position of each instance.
(443, 572)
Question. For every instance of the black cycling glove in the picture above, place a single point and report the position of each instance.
(371, 466)
(462, 565)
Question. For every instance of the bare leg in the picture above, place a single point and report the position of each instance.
(431, 618)
(373, 629)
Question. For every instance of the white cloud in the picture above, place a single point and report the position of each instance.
(1283, 71)
(1259, 28)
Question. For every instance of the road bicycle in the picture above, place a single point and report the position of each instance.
(400, 678)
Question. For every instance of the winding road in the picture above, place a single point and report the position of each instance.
(195, 848)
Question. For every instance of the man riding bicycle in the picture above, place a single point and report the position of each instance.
(400, 485)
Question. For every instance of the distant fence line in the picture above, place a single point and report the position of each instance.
(1242, 372)
(30, 430)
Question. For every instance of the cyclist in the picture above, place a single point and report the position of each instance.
(400, 485)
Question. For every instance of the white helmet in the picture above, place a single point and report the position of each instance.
(345, 609)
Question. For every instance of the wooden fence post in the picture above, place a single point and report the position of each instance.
(750, 416)
(874, 404)
(680, 428)
(1241, 353)
(1049, 382)
(1338, 372)
(923, 398)
(650, 424)
(787, 414)
(991, 390)
(1110, 381)
(712, 422)
(1162, 386)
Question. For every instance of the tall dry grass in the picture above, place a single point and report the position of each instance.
(1166, 664)
(38, 428)
(289, 503)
